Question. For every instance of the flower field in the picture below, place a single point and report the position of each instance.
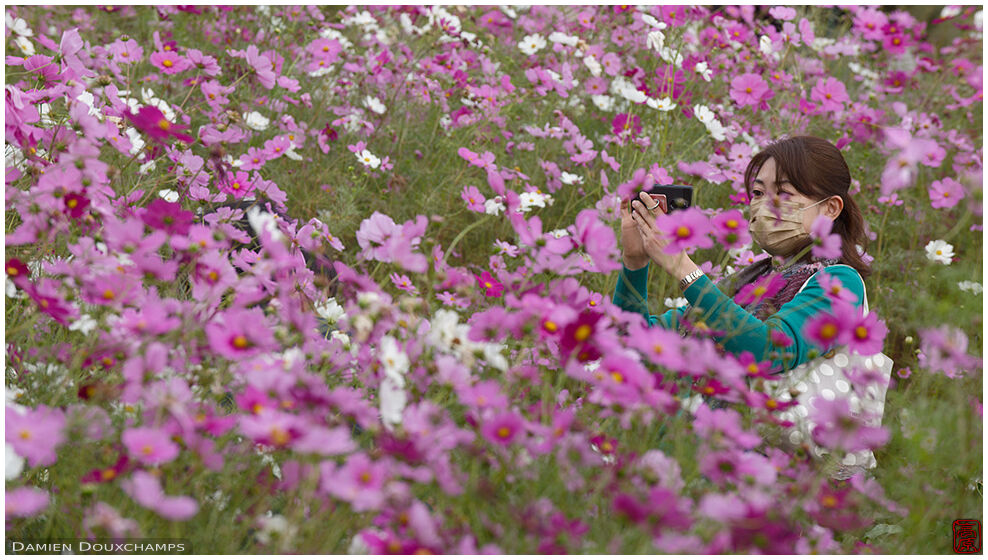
(339, 279)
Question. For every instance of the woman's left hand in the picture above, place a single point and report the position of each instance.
(655, 242)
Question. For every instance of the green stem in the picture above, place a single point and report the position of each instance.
(449, 251)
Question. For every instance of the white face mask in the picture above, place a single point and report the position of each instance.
(782, 234)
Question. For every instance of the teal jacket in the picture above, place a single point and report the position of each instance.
(742, 331)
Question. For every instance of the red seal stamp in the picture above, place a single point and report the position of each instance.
(967, 536)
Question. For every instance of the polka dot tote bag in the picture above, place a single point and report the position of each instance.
(828, 377)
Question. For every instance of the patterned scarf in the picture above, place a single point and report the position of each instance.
(794, 275)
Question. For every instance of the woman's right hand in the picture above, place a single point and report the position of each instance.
(631, 239)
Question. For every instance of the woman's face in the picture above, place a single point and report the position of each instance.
(764, 188)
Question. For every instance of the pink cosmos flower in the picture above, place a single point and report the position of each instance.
(151, 446)
(151, 121)
(826, 245)
(782, 13)
(254, 159)
(484, 394)
(944, 350)
(35, 434)
(833, 288)
(731, 229)
(403, 283)
(125, 52)
(838, 428)
(870, 22)
(830, 93)
(475, 201)
(503, 428)
(359, 481)
(24, 502)
(945, 193)
(866, 333)
(239, 185)
(686, 229)
(240, 333)
(727, 423)
(750, 90)
(146, 490)
(489, 285)
(75, 204)
(596, 85)
(170, 62)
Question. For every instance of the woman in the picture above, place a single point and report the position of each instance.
(790, 184)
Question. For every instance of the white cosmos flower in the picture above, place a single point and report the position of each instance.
(662, 104)
(969, 286)
(655, 40)
(262, 221)
(675, 303)
(25, 44)
(558, 37)
(570, 178)
(493, 206)
(256, 120)
(13, 463)
(395, 361)
(374, 104)
(946, 12)
(392, 403)
(709, 119)
(652, 22)
(671, 56)
(532, 44)
(603, 102)
(169, 195)
(84, 324)
(368, 159)
(939, 251)
(591, 63)
(330, 310)
(274, 528)
(704, 71)
(530, 200)
(18, 26)
(622, 87)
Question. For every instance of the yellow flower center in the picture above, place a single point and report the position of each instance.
(72, 203)
(828, 331)
(11, 271)
(108, 474)
(147, 450)
(240, 341)
(771, 404)
(861, 333)
(550, 326)
(167, 63)
(164, 124)
(108, 294)
(617, 377)
(583, 333)
(24, 434)
(732, 224)
(682, 232)
(503, 432)
(279, 436)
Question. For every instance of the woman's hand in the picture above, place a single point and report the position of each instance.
(631, 239)
(654, 242)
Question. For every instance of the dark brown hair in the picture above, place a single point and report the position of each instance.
(816, 168)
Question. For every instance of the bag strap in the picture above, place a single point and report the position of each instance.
(864, 290)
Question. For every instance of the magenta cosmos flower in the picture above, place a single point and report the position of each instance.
(168, 217)
(359, 481)
(764, 288)
(152, 122)
(489, 285)
(150, 446)
(502, 428)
